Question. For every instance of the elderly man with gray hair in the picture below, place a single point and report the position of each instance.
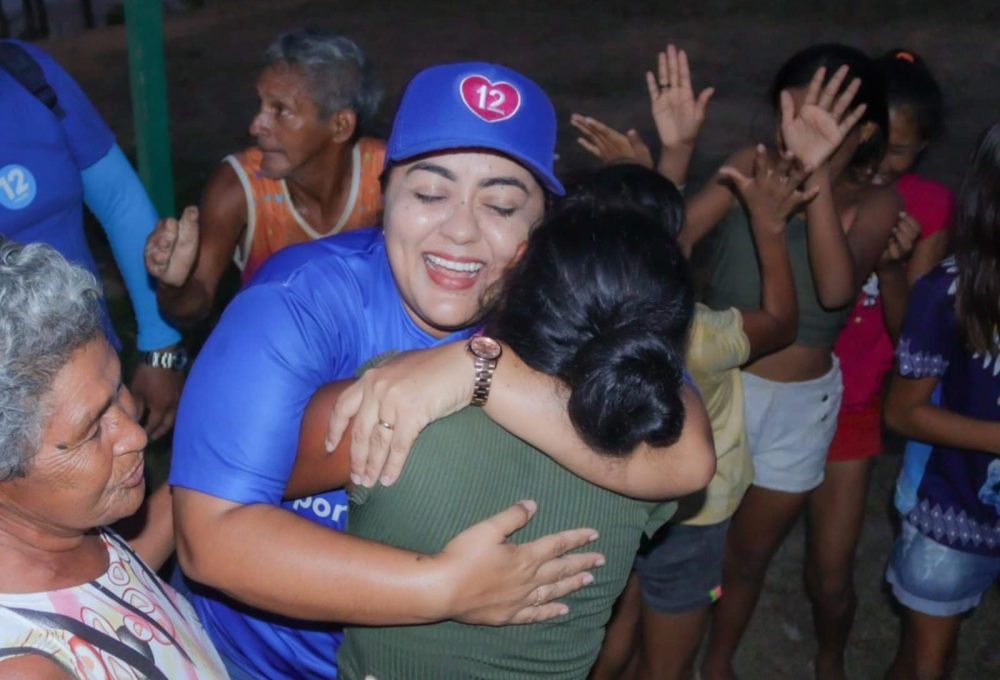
(76, 598)
(311, 174)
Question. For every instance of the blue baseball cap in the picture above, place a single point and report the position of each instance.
(480, 106)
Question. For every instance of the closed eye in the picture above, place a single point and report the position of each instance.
(427, 198)
(503, 212)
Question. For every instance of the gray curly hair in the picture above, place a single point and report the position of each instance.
(337, 70)
(49, 308)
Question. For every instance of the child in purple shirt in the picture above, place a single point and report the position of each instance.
(949, 552)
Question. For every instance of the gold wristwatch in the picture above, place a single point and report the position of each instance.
(486, 352)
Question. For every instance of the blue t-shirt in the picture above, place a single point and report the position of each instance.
(957, 500)
(313, 314)
(41, 158)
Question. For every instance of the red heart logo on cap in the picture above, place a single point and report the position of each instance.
(490, 101)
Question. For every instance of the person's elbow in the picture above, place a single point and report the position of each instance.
(699, 468)
(836, 295)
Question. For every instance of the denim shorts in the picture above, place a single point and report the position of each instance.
(680, 569)
(935, 579)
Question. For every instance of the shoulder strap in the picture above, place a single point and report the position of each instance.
(28, 72)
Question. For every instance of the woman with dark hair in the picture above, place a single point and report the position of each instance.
(662, 615)
(832, 105)
(601, 300)
(949, 552)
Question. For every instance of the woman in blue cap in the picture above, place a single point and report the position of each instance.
(469, 169)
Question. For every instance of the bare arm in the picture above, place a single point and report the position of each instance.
(896, 281)
(771, 196)
(223, 219)
(478, 577)
(32, 667)
(523, 401)
(835, 272)
(533, 407)
(707, 208)
(927, 254)
(317, 469)
(892, 270)
(908, 411)
(150, 531)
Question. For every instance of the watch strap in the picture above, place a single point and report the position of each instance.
(171, 359)
(485, 368)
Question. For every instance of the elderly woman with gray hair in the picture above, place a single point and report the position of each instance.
(311, 174)
(76, 600)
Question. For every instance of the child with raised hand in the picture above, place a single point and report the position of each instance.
(865, 348)
(949, 552)
(677, 112)
(792, 396)
(834, 117)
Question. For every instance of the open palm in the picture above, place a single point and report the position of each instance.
(677, 113)
(813, 135)
(818, 128)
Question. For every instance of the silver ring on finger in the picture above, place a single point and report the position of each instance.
(538, 597)
(387, 425)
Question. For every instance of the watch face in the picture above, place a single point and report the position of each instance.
(484, 347)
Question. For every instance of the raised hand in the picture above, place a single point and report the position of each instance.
(773, 194)
(172, 248)
(677, 113)
(817, 130)
(610, 145)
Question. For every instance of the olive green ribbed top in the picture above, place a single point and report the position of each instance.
(735, 280)
(464, 469)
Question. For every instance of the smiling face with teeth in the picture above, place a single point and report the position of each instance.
(454, 223)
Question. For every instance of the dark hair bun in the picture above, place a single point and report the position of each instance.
(602, 299)
(625, 385)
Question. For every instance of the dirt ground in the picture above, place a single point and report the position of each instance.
(591, 58)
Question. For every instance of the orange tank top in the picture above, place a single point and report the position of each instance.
(273, 222)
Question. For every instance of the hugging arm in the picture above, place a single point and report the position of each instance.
(416, 388)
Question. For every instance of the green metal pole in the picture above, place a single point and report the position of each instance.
(148, 79)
